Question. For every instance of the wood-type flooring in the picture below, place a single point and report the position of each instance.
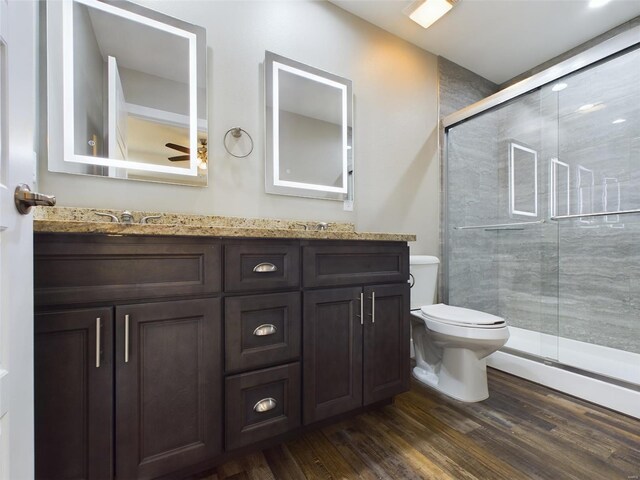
(523, 431)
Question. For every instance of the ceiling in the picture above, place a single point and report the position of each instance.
(499, 39)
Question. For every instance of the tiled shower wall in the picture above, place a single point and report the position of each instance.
(457, 88)
(576, 278)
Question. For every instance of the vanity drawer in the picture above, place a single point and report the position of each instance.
(74, 269)
(262, 404)
(252, 266)
(261, 330)
(337, 265)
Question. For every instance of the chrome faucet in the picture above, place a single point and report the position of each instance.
(322, 226)
(126, 217)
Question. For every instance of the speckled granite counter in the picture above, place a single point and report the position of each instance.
(85, 220)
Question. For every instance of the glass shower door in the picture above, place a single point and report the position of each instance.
(502, 251)
(599, 255)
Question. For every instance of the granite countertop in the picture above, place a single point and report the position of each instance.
(85, 220)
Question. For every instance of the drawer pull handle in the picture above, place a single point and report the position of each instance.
(265, 405)
(265, 267)
(264, 330)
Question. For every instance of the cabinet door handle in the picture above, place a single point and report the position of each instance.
(265, 405)
(265, 267)
(264, 330)
(373, 307)
(98, 342)
(361, 316)
(126, 339)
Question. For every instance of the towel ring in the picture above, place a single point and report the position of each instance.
(236, 132)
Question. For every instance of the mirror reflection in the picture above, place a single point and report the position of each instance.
(133, 84)
(309, 131)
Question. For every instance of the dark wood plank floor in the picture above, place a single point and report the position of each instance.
(523, 431)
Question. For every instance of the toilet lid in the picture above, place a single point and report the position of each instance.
(461, 316)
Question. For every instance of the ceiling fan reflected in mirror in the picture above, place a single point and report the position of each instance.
(202, 153)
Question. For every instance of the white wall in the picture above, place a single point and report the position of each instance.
(395, 115)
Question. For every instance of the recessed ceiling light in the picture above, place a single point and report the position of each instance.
(559, 87)
(619, 120)
(426, 12)
(586, 107)
(598, 3)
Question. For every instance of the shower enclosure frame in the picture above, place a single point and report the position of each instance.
(618, 45)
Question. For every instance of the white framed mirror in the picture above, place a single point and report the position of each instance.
(126, 93)
(309, 131)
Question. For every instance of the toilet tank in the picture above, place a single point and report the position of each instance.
(424, 271)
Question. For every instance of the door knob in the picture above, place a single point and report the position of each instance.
(25, 199)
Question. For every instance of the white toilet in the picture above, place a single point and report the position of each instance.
(451, 343)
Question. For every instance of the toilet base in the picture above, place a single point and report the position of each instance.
(462, 376)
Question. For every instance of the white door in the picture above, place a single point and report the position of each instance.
(117, 119)
(17, 165)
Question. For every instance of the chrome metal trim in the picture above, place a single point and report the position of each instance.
(24, 199)
(500, 225)
(98, 342)
(265, 267)
(126, 217)
(597, 214)
(599, 52)
(265, 329)
(145, 220)
(265, 405)
(373, 307)
(444, 217)
(113, 218)
(126, 339)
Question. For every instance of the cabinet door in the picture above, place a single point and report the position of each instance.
(386, 341)
(168, 386)
(74, 394)
(332, 349)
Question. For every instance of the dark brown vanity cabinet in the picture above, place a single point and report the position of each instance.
(128, 389)
(157, 355)
(356, 348)
(262, 340)
(164, 372)
(356, 338)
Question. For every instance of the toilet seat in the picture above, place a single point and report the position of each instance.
(461, 317)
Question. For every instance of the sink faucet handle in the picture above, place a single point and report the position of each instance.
(303, 225)
(113, 218)
(145, 220)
